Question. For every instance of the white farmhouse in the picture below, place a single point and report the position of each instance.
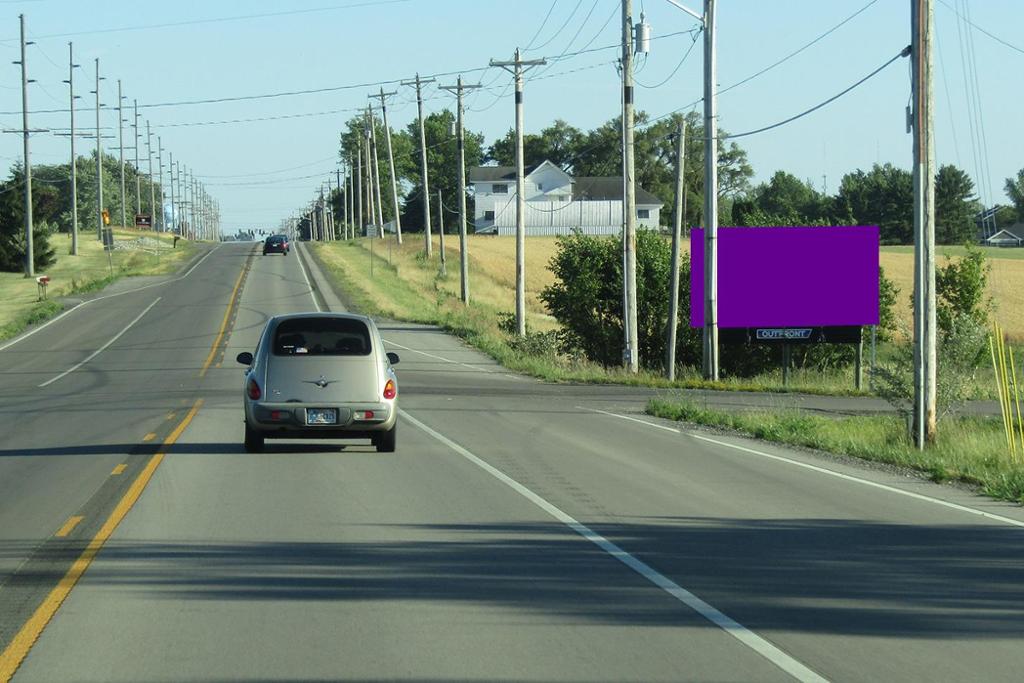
(556, 203)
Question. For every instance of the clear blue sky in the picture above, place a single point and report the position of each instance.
(358, 41)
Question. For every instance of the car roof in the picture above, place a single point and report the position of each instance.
(277, 319)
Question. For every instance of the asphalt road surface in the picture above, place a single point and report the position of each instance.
(522, 531)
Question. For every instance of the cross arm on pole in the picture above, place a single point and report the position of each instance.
(686, 9)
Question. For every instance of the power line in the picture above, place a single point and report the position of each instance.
(542, 24)
(979, 28)
(905, 52)
(217, 20)
(668, 78)
(794, 53)
(562, 28)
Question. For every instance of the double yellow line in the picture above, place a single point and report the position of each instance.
(224, 323)
(16, 651)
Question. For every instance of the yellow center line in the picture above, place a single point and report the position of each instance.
(170, 415)
(119, 469)
(223, 324)
(69, 525)
(16, 651)
(149, 437)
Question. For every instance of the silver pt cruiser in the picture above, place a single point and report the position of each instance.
(320, 376)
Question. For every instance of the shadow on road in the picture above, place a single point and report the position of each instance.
(821, 576)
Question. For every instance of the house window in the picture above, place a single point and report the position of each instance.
(499, 189)
(540, 187)
(488, 215)
(643, 213)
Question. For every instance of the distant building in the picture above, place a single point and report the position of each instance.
(556, 203)
(1012, 236)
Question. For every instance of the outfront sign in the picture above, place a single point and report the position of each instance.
(143, 220)
(847, 334)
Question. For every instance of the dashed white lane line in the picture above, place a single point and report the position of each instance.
(773, 654)
(102, 348)
(824, 470)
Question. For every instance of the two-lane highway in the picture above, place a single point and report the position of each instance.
(522, 531)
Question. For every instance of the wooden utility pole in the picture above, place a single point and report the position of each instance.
(376, 170)
(30, 261)
(152, 187)
(711, 368)
(632, 351)
(459, 88)
(138, 172)
(175, 228)
(359, 193)
(423, 160)
(74, 162)
(677, 229)
(350, 229)
(99, 161)
(120, 148)
(925, 351)
(516, 68)
(391, 162)
(440, 232)
(160, 171)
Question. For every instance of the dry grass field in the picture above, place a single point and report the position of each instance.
(493, 258)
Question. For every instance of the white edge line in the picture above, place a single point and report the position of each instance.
(312, 294)
(51, 321)
(102, 348)
(446, 360)
(831, 473)
(741, 633)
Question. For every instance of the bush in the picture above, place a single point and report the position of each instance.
(12, 229)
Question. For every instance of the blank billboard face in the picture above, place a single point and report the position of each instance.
(790, 277)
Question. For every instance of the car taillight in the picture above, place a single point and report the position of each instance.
(253, 390)
(389, 390)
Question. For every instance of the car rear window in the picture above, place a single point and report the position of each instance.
(322, 337)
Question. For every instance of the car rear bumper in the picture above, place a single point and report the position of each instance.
(288, 420)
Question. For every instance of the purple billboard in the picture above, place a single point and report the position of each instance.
(790, 277)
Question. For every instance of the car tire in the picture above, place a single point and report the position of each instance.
(264, 253)
(385, 441)
(253, 440)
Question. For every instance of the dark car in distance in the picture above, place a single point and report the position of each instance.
(275, 244)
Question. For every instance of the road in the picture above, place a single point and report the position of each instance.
(522, 531)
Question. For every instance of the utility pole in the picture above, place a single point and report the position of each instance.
(677, 229)
(517, 70)
(342, 201)
(120, 146)
(99, 160)
(710, 195)
(74, 162)
(152, 187)
(440, 230)
(376, 170)
(423, 159)
(925, 352)
(138, 172)
(170, 179)
(632, 351)
(359, 194)
(30, 259)
(160, 169)
(350, 231)
(391, 163)
(459, 88)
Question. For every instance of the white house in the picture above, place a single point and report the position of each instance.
(556, 203)
(1007, 237)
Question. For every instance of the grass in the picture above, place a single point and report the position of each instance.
(970, 450)
(87, 272)
(405, 286)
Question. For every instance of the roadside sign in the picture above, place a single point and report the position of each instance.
(143, 220)
(108, 239)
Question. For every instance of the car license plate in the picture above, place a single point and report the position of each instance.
(321, 416)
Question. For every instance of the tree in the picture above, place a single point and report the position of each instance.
(12, 224)
(955, 206)
(559, 143)
(884, 197)
(1015, 191)
(783, 200)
